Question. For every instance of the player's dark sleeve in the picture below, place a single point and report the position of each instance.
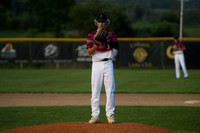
(114, 45)
(113, 41)
(89, 41)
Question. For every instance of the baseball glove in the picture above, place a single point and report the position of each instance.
(101, 36)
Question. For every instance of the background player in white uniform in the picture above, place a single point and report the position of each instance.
(102, 70)
(179, 59)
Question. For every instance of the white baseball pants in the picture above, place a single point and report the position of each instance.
(180, 60)
(103, 71)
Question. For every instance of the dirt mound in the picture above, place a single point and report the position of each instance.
(83, 127)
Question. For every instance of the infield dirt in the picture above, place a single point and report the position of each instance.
(49, 99)
(7, 100)
(83, 127)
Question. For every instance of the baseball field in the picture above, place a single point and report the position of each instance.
(77, 81)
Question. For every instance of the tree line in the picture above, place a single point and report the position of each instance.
(136, 18)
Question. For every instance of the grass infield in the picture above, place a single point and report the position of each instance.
(78, 81)
(175, 118)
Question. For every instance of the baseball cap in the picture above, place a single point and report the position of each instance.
(101, 18)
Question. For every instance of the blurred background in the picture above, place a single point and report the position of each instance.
(74, 18)
(54, 32)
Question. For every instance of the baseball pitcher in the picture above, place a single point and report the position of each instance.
(100, 44)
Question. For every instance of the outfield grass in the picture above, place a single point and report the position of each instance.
(78, 81)
(175, 118)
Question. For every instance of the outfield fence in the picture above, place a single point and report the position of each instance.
(132, 53)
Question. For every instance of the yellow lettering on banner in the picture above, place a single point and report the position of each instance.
(138, 44)
(169, 53)
(140, 65)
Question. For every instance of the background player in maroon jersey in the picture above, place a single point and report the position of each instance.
(179, 59)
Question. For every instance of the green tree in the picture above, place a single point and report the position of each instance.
(165, 29)
(51, 15)
(191, 17)
(3, 17)
(137, 12)
(170, 16)
(83, 16)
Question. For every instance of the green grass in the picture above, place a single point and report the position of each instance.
(21, 34)
(175, 118)
(58, 81)
(156, 81)
(11, 34)
(24, 34)
(192, 31)
(78, 81)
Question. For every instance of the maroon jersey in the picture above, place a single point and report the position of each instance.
(104, 47)
(178, 45)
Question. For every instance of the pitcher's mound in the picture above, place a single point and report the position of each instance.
(83, 127)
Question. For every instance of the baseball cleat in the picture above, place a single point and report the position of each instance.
(94, 120)
(111, 119)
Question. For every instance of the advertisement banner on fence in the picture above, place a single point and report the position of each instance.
(14, 52)
(156, 54)
(82, 53)
(140, 54)
(52, 52)
(131, 54)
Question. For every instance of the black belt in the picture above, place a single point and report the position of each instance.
(106, 59)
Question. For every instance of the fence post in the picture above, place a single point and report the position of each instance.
(162, 55)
